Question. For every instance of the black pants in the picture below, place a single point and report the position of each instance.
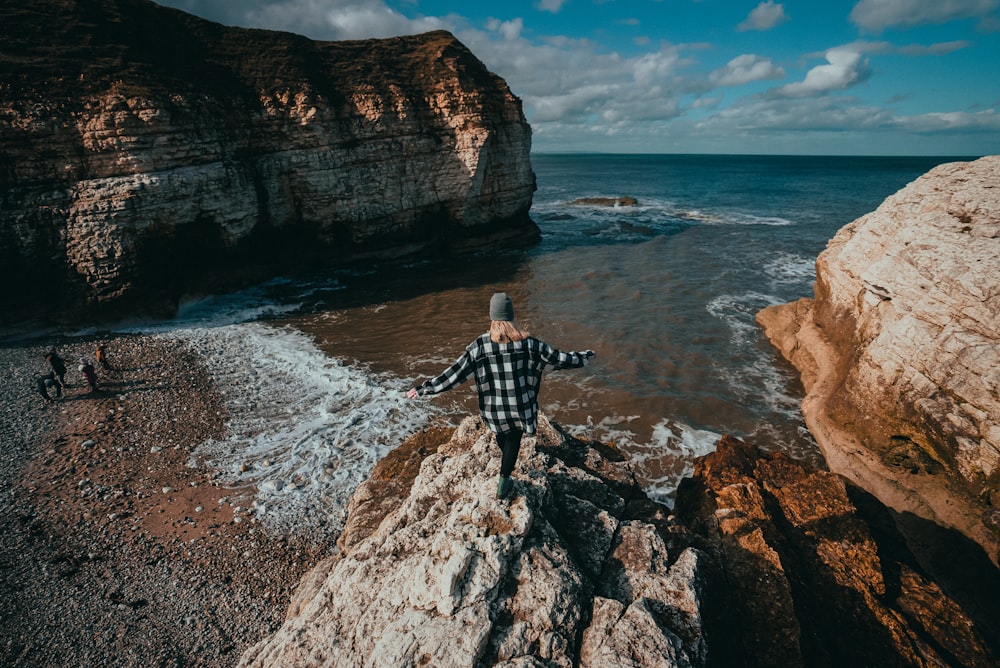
(510, 444)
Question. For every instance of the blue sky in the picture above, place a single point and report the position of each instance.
(858, 77)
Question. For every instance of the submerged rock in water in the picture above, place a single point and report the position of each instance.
(606, 201)
(775, 566)
(899, 350)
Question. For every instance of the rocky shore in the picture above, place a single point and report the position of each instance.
(121, 551)
(116, 551)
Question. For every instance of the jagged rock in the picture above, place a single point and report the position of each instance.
(768, 563)
(574, 570)
(819, 574)
(149, 152)
(899, 348)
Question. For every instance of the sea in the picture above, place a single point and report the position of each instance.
(315, 367)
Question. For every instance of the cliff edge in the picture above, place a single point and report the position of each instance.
(899, 349)
(147, 153)
(765, 563)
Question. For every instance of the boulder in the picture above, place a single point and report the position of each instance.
(900, 353)
(572, 570)
(819, 573)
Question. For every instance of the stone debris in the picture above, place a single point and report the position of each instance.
(99, 566)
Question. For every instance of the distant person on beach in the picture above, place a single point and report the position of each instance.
(58, 365)
(43, 383)
(87, 369)
(507, 363)
(102, 358)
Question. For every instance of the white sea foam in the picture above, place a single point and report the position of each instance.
(242, 306)
(662, 461)
(789, 268)
(731, 218)
(753, 378)
(738, 312)
(669, 457)
(303, 428)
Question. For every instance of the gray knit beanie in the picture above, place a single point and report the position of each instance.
(501, 307)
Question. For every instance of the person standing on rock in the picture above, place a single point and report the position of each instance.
(507, 363)
(58, 365)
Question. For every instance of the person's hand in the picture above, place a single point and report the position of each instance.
(587, 354)
(412, 394)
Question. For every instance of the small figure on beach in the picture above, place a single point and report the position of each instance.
(507, 363)
(58, 365)
(102, 358)
(87, 369)
(43, 383)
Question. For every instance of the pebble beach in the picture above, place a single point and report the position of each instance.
(119, 548)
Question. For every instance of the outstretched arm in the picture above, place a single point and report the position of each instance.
(453, 376)
(560, 360)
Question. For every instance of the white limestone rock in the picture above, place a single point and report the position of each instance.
(900, 349)
(453, 576)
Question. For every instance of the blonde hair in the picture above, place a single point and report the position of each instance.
(504, 331)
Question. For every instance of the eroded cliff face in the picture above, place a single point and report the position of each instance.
(766, 563)
(146, 152)
(899, 349)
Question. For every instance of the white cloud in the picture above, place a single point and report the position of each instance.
(877, 15)
(769, 115)
(577, 94)
(572, 82)
(981, 121)
(316, 19)
(845, 67)
(550, 5)
(939, 49)
(509, 30)
(745, 69)
(339, 19)
(654, 67)
(764, 16)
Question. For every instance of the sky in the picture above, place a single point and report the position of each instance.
(802, 77)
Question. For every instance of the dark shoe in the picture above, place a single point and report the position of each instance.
(504, 487)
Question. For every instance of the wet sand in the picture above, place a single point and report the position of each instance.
(117, 551)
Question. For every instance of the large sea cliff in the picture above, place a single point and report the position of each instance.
(149, 155)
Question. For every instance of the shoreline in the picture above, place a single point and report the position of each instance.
(116, 550)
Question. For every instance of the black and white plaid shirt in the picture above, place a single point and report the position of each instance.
(508, 376)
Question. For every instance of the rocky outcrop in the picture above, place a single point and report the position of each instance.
(773, 565)
(441, 573)
(147, 152)
(899, 349)
(819, 573)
